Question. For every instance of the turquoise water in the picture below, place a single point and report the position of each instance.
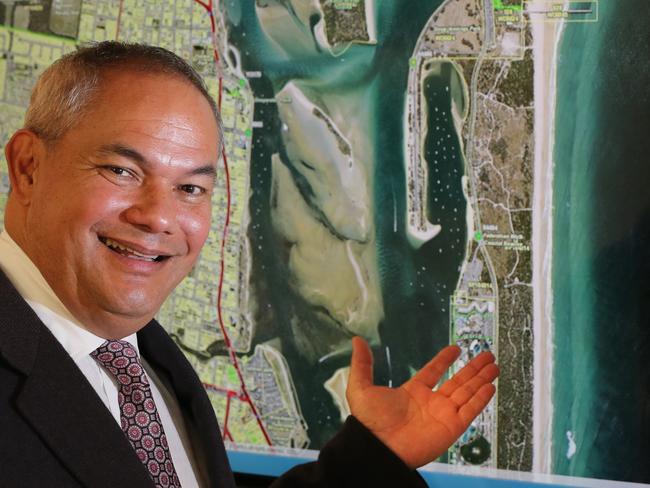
(415, 284)
(601, 389)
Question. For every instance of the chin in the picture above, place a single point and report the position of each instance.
(135, 306)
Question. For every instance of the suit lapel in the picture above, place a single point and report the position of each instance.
(170, 363)
(59, 403)
(61, 406)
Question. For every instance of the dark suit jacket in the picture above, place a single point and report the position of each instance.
(56, 432)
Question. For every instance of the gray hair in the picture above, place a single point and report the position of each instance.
(67, 89)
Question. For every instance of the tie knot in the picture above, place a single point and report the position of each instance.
(121, 359)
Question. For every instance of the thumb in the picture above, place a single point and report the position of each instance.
(360, 366)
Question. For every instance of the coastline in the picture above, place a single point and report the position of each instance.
(546, 39)
(371, 21)
(423, 231)
(413, 103)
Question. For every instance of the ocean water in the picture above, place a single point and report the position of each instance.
(601, 260)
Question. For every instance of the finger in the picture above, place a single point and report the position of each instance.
(469, 371)
(465, 392)
(431, 373)
(476, 404)
(360, 365)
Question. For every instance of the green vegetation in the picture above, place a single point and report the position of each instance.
(500, 148)
(514, 412)
(345, 21)
(231, 374)
(508, 4)
(523, 224)
(516, 89)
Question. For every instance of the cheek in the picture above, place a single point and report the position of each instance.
(196, 226)
(95, 210)
(80, 203)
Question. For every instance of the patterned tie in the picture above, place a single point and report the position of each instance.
(139, 416)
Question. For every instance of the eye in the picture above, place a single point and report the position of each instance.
(119, 171)
(193, 190)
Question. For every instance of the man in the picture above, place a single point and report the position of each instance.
(110, 204)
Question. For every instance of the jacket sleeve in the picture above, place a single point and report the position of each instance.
(354, 457)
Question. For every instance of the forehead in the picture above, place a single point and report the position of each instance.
(162, 112)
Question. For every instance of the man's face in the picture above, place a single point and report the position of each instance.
(121, 204)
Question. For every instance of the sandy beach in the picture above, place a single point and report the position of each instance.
(546, 37)
(371, 21)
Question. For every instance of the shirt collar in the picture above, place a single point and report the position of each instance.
(32, 286)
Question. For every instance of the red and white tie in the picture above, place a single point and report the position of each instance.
(139, 417)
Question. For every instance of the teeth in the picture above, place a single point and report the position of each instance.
(132, 253)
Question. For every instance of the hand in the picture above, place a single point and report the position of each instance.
(416, 423)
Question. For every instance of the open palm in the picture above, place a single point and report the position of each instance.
(415, 422)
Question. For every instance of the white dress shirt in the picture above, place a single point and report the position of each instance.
(79, 343)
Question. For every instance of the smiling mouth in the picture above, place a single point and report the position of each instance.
(130, 253)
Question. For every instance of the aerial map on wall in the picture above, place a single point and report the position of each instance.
(419, 173)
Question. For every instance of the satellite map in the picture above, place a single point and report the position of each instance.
(392, 169)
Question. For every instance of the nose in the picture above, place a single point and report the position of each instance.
(153, 210)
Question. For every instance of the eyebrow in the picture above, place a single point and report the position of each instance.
(140, 160)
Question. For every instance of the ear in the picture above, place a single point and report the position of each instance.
(24, 151)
